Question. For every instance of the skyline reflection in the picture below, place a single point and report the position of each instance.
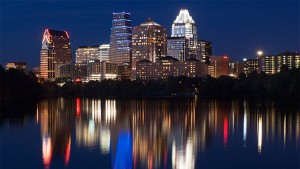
(148, 133)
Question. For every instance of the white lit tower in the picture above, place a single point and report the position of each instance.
(184, 26)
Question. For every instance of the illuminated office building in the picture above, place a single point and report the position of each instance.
(103, 52)
(101, 70)
(234, 69)
(56, 49)
(249, 65)
(204, 51)
(184, 26)
(149, 41)
(86, 53)
(74, 71)
(272, 64)
(16, 65)
(120, 38)
(218, 66)
(177, 47)
(169, 66)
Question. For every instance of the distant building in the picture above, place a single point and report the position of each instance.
(177, 47)
(71, 70)
(218, 66)
(104, 52)
(272, 64)
(16, 65)
(86, 53)
(37, 71)
(56, 49)
(204, 51)
(120, 38)
(124, 71)
(249, 65)
(149, 41)
(234, 69)
(185, 26)
(169, 66)
(101, 70)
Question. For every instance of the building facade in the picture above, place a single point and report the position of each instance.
(177, 47)
(149, 41)
(104, 52)
(169, 66)
(218, 66)
(86, 53)
(184, 26)
(71, 70)
(56, 49)
(204, 51)
(249, 65)
(16, 65)
(272, 64)
(234, 69)
(102, 70)
(121, 38)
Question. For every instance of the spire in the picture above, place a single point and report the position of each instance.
(184, 17)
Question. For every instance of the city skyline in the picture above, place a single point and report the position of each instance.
(238, 29)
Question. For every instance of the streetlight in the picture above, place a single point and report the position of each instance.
(260, 53)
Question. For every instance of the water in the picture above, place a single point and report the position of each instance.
(149, 133)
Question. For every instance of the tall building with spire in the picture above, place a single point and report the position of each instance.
(121, 38)
(149, 41)
(56, 49)
(184, 26)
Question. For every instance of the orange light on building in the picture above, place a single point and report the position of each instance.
(225, 57)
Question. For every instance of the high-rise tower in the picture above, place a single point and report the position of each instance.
(56, 49)
(120, 38)
(184, 26)
(149, 41)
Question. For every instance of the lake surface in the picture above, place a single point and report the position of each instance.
(149, 133)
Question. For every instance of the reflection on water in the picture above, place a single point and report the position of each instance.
(164, 133)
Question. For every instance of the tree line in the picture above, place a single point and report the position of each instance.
(284, 86)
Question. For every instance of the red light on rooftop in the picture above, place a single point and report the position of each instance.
(67, 34)
(225, 57)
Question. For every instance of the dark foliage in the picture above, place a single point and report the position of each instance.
(15, 83)
(282, 86)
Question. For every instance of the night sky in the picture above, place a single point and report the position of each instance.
(236, 28)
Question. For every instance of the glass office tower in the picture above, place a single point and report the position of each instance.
(184, 26)
(120, 39)
(56, 49)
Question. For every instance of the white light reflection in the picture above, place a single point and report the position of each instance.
(245, 128)
(110, 111)
(183, 158)
(259, 137)
(104, 140)
(96, 110)
(47, 151)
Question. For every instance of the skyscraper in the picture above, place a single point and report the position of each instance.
(204, 51)
(149, 41)
(184, 26)
(120, 38)
(177, 48)
(56, 49)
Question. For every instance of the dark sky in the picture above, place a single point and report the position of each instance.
(236, 28)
